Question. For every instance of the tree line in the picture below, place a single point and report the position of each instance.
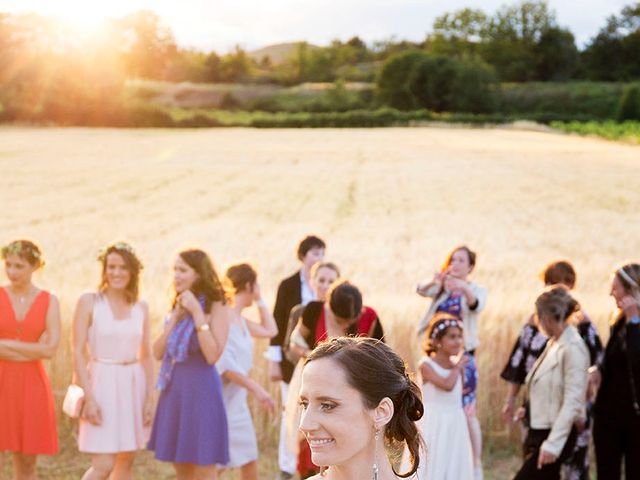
(45, 70)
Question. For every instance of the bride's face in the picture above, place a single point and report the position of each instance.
(335, 421)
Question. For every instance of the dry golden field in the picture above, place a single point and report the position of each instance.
(389, 202)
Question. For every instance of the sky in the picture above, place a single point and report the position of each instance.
(222, 24)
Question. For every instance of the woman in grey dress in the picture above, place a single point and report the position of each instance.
(235, 365)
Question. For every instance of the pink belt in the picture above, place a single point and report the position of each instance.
(110, 361)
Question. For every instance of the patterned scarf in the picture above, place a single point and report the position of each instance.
(177, 347)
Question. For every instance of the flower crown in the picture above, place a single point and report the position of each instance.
(444, 324)
(20, 248)
(119, 247)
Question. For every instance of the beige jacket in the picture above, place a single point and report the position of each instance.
(557, 386)
(469, 317)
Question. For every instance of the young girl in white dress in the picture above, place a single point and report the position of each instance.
(444, 425)
(235, 365)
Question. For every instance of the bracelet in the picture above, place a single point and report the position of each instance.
(203, 328)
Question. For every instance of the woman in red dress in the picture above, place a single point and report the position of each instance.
(29, 332)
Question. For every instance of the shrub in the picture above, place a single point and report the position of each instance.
(392, 83)
(629, 105)
(438, 83)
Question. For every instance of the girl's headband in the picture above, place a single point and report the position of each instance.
(444, 324)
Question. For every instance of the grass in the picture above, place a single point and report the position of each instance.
(628, 131)
(390, 202)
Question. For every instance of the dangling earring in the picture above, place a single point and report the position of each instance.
(376, 469)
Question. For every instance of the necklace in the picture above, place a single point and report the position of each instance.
(22, 299)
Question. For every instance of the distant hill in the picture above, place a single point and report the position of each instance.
(278, 52)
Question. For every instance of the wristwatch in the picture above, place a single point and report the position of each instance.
(204, 327)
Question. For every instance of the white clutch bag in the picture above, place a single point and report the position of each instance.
(73, 401)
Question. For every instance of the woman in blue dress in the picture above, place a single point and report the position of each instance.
(190, 426)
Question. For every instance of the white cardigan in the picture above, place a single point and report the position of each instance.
(469, 317)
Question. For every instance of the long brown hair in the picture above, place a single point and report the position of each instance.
(132, 263)
(208, 283)
(376, 371)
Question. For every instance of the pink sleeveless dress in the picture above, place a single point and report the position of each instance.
(118, 382)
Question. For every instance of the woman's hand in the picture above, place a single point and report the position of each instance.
(91, 411)
(256, 293)
(630, 306)
(460, 361)
(264, 399)
(189, 302)
(147, 412)
(508, 410)
(275, 372)
(454, 284)
(545, 458)
(519, 415)
(423, 287)
(593, 382)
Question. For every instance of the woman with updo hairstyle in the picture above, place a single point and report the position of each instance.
(113, 365)
(190, 427)
(357, 398)
(29, 333)
(616, 429)
(341, 313)
(556, 387)
(236, 362)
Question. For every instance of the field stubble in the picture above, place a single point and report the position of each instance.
(390, 202)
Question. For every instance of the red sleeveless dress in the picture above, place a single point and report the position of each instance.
(27, 416)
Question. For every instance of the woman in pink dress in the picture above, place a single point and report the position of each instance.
(113, 364)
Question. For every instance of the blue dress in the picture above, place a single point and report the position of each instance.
(190, 425)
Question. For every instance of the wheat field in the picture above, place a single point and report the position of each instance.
(389, 202)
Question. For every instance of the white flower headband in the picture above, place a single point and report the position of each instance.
(20, 248)
(444, 324)
(118, 246)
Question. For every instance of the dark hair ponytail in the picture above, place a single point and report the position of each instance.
(402, 427)
(377, 372)
(345, 300)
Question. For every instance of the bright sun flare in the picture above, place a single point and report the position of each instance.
(85, 16)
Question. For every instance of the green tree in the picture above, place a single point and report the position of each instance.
(512, 36)
(148, 44)
(393, 81)
(556, 55)
(613, 53)
(459, 33)
(235, 66)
